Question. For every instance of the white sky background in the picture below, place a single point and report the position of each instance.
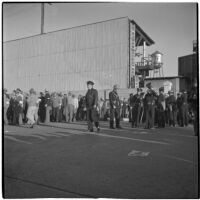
(171, 25)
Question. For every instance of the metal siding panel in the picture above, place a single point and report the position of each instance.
(65, 60)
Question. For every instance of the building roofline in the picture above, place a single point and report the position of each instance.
(149, 40)
(65, 29)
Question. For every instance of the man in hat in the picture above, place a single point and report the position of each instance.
(149, 102)
(91, 98)
(115, 106)
(136, 103)
(19, 99)
(48, 106)
(179, 102)
(184, 108)
(5, 106)
(161, 108)
(41, 110)
(172, 108)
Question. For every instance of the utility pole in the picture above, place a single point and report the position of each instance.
(42, 18)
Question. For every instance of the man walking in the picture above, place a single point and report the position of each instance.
(115, 106)
(91, 107)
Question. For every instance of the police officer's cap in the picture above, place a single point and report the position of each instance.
(161, 89)
(90, 83)
(148, 85)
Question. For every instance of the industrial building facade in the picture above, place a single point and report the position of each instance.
(188, 68)
(64, 60)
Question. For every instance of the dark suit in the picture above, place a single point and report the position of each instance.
(91, 99)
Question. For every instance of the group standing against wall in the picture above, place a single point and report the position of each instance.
(149, 108)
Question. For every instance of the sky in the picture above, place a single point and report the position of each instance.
(172, 26)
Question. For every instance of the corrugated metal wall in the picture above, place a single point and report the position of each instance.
(65, 60)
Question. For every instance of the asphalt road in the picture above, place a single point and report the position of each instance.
(64, 160)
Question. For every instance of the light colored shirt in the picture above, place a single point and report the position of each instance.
(32, 100)
(75, 102)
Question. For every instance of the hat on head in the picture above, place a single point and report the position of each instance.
(5, 90)
(149, 85)
(139, 89)
(161, 89)
(171, 92)
(116, 86)
(90, 83)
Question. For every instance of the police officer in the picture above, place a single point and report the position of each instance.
(91, 98)
(136, 102)
(161, 108)
(115, 106)
(149, 102)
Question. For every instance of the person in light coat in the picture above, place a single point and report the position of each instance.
(75, 106)
(32, 107)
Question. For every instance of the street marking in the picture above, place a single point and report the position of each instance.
(181, 159)
(16, 140)
(127, 138)
(138, 153)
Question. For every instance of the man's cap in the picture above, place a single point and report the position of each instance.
(116, 86)
(148, 85)
(18, 90)
(161, 89)
(171, 91)
(139, 89)
(90, 83)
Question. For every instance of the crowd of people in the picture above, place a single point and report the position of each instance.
(148, 107)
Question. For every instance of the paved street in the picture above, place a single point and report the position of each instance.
(64, 160)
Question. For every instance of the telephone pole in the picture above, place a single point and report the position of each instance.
(42, 18)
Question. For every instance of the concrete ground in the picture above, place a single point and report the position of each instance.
(64, 160)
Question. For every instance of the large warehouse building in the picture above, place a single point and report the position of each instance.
(64, 60)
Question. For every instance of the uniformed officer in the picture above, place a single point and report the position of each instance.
(115, 106)
(136, 103)
(91, 98)
(161, 108)
(149, 102)
(172, 108)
